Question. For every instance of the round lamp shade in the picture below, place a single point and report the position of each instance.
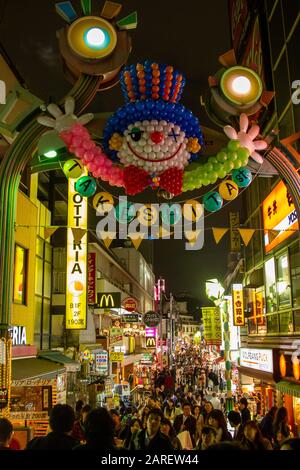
(241, 85)
(92, 37)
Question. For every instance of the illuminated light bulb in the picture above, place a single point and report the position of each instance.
(95, 37)
(241, 85)
(50, 154)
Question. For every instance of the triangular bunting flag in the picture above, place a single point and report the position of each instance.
(246, 234)
(78, 233)
(272, 235)
(107, 237)
(136, 239)
(48, 231)
(107, 241)
(192, 235)
(218, 233)
(164, 233)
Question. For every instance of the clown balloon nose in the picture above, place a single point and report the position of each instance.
(153, 137)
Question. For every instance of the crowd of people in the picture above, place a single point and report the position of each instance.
(182, 411)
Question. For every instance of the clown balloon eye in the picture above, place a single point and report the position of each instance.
(136, 134)
(174, 135)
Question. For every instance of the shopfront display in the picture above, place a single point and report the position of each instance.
(259, 372)
(37, 385)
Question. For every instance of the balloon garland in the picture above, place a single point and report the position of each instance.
(153, 141)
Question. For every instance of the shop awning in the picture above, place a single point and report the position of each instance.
(33, 368)
(289, 388)
(59, 358)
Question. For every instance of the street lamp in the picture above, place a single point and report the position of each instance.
(214, 291)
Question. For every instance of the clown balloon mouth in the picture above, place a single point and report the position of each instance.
(154, 160)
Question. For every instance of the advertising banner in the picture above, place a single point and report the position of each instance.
(91, 278)
(260, 359)
(238, 305)
(76, 288)
(279, 216)
(116, 357)
(211, 317)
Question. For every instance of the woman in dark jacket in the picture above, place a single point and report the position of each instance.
(253, 438)
(280, 426)
(266, 424)
(132, 428)
(216, 419)
(99, 431)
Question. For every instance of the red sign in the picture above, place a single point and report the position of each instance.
(238, 14)
(91, 278)
(130, 304)
(253, 56)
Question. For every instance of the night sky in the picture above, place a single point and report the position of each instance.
(189, 37)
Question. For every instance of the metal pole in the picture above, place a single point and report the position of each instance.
(171, 329)
(160, 328)
(227, 356)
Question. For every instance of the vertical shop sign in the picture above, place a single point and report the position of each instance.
(259, 307)
(238, 305)
(239, 20)
(76, 289)
(235, 241)
(212, 325)
(91, 278)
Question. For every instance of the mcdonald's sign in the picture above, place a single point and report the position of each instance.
(151, 342)
(108, 300)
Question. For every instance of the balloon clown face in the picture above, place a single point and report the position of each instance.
(154, 146)
(153, 137)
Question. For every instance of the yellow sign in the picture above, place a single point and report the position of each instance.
(238, 305)
(76, 289)
(235, 242)
(212, 325)
(147, 215)
(259, 308)
(116, 357)
(192, 210)
(151, 342)
(103, 202)
(279, 214)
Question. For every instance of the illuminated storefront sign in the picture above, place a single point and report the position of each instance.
(260, 359)
(212, 325)
(91, 278)
(130, 304)
(18, 335)
(76, 290)
(109, 299)
(151, 342)
(279, 215)
(238, 305)
(150, 332)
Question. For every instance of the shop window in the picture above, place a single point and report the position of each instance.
(286, 322)
(261, 311)
(295, 274)
(283, 281)
(270, 283)
(297, 321)
(43, 294)
(20, 275)
(272, 323)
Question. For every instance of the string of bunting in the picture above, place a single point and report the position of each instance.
(136, 238)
